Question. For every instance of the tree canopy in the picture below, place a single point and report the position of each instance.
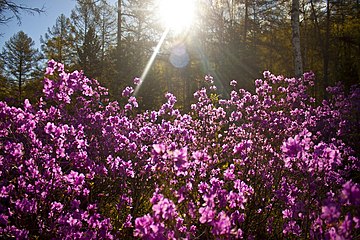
(20, 60)
(227, 39)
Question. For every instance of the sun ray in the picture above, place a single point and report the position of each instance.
(151, 60)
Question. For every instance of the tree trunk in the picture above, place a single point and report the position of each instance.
(20, 79)
(246, 19)
(119, 24)
(326, 47)
(295, 26)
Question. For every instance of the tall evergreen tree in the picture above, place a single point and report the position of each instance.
(84, 17)
(106, 25)
(59, 43)
(20, 60)
(89, 54)
(4, 88)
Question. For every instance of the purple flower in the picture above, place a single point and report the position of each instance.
(75, 178)
(144, 226)
(233, 83)
(4, 219)
(52, 66)
(180, 158)
(50, 128)
(213, 88)
(222, 224)
(165, 208)
(351, 193)
(137, 81)
(207, 214)
(287, 214)
(26, 206)
(15, 149)
(159, 148)
(330, 213)
(243, 146)
(128, 107)
(346, 226)
(266, 74)
(229, 173)
(209, 79)
(171, 98)
(74, 222)
(127, 92)
(292, 147)
(333, 234)
(133, 101)
(128, 221)
(55, 207)
(220, 164)
(291, 228)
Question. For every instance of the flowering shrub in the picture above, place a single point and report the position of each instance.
(270, 165)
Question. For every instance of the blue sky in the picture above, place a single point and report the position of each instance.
(36, 25)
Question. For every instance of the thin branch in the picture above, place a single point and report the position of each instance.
(9, 10)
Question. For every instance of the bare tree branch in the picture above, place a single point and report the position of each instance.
(10, 10)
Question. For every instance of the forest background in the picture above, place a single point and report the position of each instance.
(229, 39)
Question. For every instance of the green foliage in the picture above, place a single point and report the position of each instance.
(59, 43)
(89, 54)
(20, 60)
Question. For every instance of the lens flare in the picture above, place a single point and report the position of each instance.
(179, 57)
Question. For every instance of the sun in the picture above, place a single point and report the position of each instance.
(177, 15)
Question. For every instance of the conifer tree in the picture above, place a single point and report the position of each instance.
(3, 84)
(59, 43)
(20, 60)
(89, 54)
(84, 17)
(106, 25)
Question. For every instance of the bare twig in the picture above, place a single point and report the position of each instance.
(10, 10)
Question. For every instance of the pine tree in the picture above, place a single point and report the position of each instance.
(89, 54)
(4, 86)
(20, 60)
(84, 17)
(106, 25)
(59, 43)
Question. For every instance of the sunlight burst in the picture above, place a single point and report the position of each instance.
(177, 15)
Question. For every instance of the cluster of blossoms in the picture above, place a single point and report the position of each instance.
(271, 165)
